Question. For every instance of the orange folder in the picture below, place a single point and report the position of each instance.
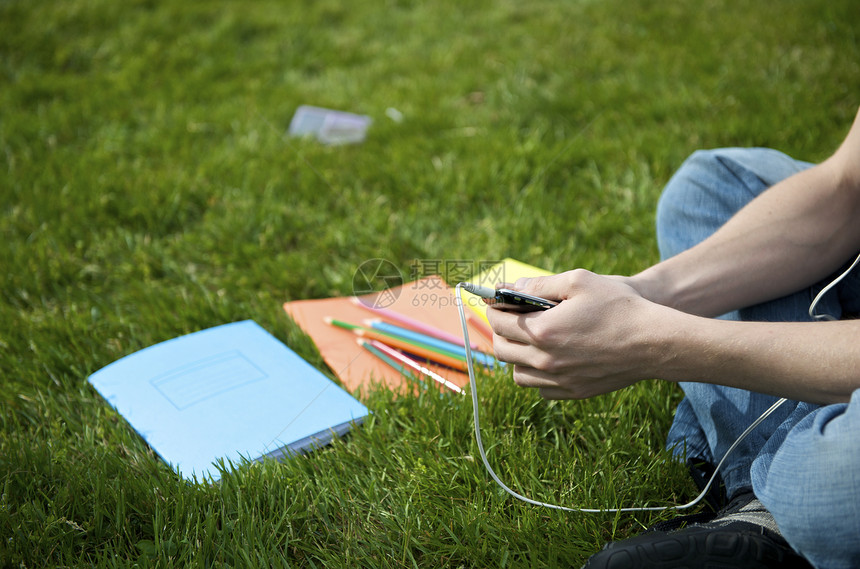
(430, 300)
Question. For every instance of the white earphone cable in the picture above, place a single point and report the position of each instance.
(474, 390)
(826, 289)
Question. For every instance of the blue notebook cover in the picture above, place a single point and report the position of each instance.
(233, 392)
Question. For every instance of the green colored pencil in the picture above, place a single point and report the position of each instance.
(390, 361)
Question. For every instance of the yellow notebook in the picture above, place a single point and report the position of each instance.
(508, 271)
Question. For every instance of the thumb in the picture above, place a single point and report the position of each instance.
(552, 287)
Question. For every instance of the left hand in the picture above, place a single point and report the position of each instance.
(600, 338)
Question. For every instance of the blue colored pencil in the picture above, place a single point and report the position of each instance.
(454, 349)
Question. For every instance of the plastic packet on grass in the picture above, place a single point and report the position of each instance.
(328, 126)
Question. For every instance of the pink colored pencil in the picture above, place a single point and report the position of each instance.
(416, 325)
(412, 364)
(480, 325)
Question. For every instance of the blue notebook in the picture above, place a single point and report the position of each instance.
(231, 393)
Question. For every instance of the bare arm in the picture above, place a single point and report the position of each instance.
(610, 332)
(604, 336)
(816, 362)
(796, 233)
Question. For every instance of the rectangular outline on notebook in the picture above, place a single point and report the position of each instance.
(198, 381)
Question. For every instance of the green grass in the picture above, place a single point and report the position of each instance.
(148, 190)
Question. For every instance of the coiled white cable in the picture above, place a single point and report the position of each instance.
(474, 390)
(826, 289)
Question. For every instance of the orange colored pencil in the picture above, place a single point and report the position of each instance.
(419, 351)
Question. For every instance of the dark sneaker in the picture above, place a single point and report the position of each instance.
(742, 535)
(701, 472)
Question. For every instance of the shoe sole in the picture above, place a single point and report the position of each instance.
(691, 549)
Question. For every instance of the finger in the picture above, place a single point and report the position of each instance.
(551, 386)
(555, 287)
(511, 325)
(516, 352)
(556, 393)
(526, 376)
(536, 285)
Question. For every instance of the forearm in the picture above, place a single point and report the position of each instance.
(604, 336)
(794, 234)
(610, 332)
(817, 362)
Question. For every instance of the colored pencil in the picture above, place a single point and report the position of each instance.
(418, 343)
(421, 351)
(392, 362)
(418, 346)
(405, 360)
(413, 323)
(340, 323)
(480, 324)
(455, 349)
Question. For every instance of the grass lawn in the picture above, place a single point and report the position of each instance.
(148, 190)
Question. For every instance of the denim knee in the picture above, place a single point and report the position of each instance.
(710, 187)
(810, 485)
(699, 198)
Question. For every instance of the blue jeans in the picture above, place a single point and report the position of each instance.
(803, 462)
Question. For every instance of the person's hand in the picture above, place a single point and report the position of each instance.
(600, 337)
